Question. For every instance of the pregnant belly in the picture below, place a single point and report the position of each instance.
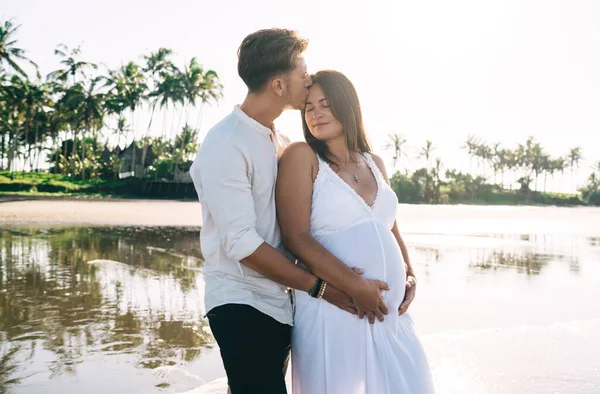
(372, 247)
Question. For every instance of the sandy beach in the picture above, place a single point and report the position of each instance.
(117, 212)
(423, 219)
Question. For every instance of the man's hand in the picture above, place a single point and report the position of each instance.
(409, 295)
(369, 301)
(339, 298)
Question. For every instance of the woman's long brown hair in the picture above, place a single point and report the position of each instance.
(345, 107)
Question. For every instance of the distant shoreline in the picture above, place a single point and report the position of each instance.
(39, 196)
(103, 211)
(66, 210)
(10, 197)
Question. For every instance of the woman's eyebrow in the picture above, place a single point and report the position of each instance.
(320, 101)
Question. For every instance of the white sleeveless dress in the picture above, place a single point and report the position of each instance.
(334, 352)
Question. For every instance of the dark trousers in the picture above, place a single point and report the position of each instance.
(255, 348)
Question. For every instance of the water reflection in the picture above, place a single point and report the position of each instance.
(128, 302)
(8, 365)
(522, 262)
(527, 254)
(77, 292)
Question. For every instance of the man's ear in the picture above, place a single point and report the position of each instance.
(278, 85)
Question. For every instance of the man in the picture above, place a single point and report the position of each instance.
(247, 273)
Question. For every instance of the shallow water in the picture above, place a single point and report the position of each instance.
(507, 303)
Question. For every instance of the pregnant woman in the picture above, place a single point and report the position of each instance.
(333, 196)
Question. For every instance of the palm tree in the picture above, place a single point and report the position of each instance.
(3, 117)
(72, 65)
(57, 121)
(538, 157)
(187, 141)
(547, 168)
(506, 162)
(591, 191)
(87, 104)
(522, 163)
(560, 165)
(36, 100)
(497, 159)
(170, 92)
(574, 157)
(191, 82)
(471, 147)
(484, 155)
(212, 90)
(525, 160)
(556, 165)
(158, 62)
(395, 143)
(9, 52)
(122, 129)
(13, 121)
(426, 151)
(192, 77)
(128, 90)
(198, 84)
(27, 103)
(436, 171)
(157, 66)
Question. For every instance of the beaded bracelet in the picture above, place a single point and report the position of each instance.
(314, 291)
(322, 289)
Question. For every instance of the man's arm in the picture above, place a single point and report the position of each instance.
(223, 176)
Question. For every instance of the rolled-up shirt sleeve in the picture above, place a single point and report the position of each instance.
(222, 175)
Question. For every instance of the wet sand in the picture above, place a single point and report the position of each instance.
(419, 219)
(101, 212)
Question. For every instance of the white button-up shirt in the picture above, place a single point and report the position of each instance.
(234, 174)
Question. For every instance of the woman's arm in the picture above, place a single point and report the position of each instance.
(298, 167)
(404, 250)
(411, 280)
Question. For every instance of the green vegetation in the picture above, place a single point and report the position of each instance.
(79, 121)
(74, 132)
(516, 173)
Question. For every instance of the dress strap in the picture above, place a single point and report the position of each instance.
(320, 169)
(321, 161)
(368, 158)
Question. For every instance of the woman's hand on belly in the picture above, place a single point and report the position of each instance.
(409, 295)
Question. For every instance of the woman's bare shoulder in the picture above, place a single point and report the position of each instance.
(298, 153)
(380, 164)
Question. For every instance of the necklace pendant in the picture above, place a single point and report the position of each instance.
(356, 178)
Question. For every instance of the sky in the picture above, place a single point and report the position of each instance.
(430, 69)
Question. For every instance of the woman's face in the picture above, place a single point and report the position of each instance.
(321, 122)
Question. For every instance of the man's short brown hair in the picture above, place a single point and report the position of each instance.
(266, 53)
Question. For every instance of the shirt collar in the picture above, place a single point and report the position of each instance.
(253, 124)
